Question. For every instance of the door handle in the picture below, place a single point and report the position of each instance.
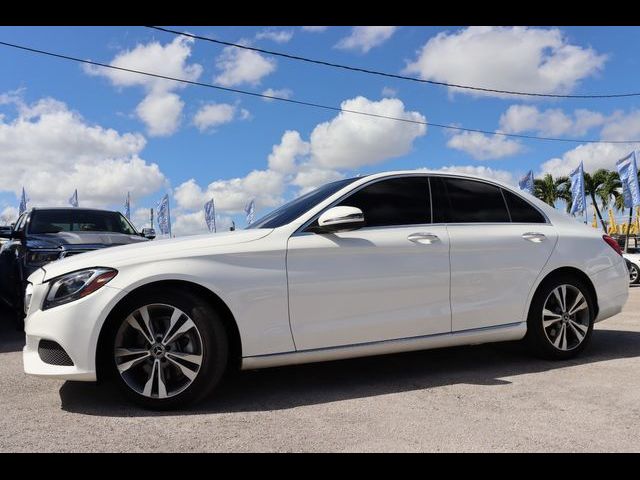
(423, 237)
(534, 237)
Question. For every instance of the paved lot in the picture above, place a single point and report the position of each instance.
(482, 398)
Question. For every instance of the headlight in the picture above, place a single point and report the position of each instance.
(40, 257)
(76, 285)
(27, 297)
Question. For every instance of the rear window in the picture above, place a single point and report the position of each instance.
(520, 210)
(72, 220)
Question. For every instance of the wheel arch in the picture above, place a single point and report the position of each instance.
(228, 319)
(575, 272)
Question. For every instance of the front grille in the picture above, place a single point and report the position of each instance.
(52, 353)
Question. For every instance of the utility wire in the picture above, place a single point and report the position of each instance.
(307, 104)
(387, 74)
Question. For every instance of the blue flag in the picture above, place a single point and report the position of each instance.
(250, 210)
(23, 203)
(73, 200)
(210, 215)
(127, 207)
(526, 182)
(628, 171)
(164, 216)
(578, 203)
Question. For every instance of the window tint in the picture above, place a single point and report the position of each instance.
(76, 220)
(397, 201)
(521, 211)
(471, 202)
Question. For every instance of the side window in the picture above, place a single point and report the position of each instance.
(521, 211)
(474, 202)
(397, 201)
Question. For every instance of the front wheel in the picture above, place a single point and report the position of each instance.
(561, 318)
(168, 349)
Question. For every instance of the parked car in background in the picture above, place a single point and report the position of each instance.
(378, 264)
(43, 235)
(633, 264)
(5, 233)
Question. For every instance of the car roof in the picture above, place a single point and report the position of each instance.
(71, 209)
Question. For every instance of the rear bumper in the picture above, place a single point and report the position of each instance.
(612, 290)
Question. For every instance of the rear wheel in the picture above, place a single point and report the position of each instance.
(561, 318)
(168, 349)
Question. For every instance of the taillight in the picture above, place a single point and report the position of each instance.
(612, 243)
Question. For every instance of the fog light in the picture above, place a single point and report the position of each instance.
(27, 297)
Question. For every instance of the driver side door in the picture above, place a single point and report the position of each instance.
(387, 280)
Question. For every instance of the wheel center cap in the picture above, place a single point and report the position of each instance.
(157, 350)
(565, 317)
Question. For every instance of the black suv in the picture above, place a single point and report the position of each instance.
(44, 235)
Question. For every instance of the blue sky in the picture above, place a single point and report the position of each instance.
(64, 126)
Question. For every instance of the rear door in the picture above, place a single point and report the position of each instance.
(499, 245)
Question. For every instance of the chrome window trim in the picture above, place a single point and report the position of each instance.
(428, 175)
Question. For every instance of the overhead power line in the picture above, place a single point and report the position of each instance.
(387, 74)
(308, 104)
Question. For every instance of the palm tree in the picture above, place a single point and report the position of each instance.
(598, 184)
(549, 190)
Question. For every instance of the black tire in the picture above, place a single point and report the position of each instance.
(537, 339)
(211, 330)
(633, 267)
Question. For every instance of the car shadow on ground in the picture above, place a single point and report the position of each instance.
(289, 387)
(11, 339)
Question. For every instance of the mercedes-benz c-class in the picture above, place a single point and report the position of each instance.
(371, 265)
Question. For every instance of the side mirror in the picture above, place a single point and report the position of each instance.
(149, 233)
(339, 219)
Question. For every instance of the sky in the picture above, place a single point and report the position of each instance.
(65, 125)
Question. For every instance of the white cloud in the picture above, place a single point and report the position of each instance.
(215, 114)
(484, 147)
(594, 156)
(238, 66)
(622, 127)
(160, 110)
(350, 140)
(8, 215)
(507, 58)
(52, 150)
(481, 171)
(389, 92)
(314, 29)
(553, 121)
(278, 36)
(309, 178)
(232, 195)
(366, 38)
(345, 142)
(193, 223)
(282, 93)
(283, 156)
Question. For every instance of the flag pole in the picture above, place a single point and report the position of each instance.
(169, 215)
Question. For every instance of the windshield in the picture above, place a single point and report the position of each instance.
(292, 210)
(75, 220)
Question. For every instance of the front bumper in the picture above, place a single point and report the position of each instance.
(74, 326)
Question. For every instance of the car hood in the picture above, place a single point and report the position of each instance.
(150, 251)
(77, 239)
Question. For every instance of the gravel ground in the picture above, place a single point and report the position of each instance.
(481, 398)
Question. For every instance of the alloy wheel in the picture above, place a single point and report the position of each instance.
(565, 317)
(633, 274)
(158, 351)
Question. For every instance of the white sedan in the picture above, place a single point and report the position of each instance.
(378, 264)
